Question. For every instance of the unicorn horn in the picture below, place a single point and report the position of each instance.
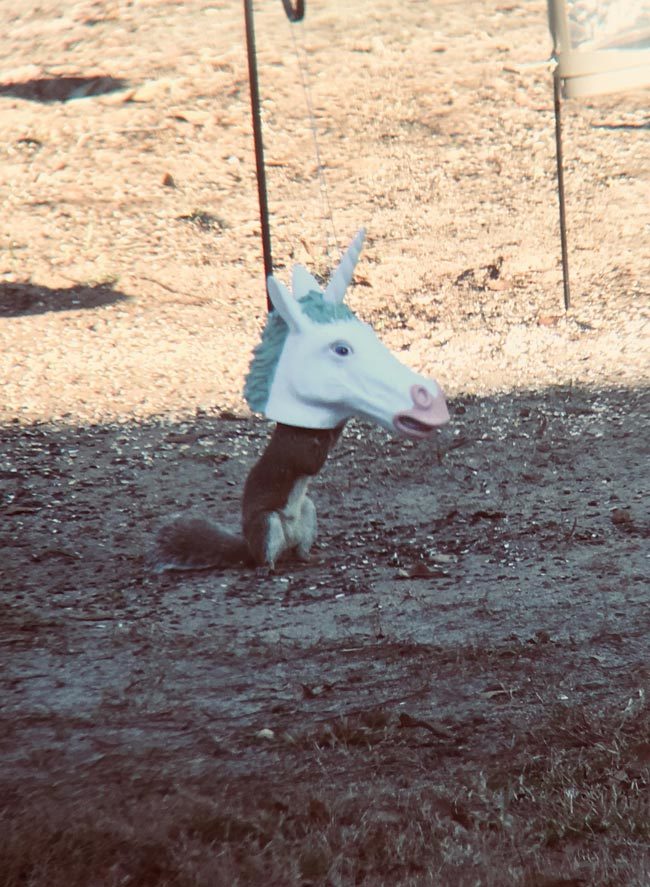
(340, 279)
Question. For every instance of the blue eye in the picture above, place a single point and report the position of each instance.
(341, 348)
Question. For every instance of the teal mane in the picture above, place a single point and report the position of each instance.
(266, 355)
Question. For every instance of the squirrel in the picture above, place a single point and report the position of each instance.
(278, 518)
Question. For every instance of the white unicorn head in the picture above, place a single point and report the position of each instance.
(318, 365)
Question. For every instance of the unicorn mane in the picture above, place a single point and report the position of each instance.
(266, 354)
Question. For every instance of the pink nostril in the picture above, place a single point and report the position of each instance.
(421, 396)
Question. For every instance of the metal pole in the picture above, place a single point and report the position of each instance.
(557, 94)
(259, 145)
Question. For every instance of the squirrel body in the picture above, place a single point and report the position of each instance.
(278, 517)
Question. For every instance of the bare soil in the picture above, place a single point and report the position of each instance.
(454, 691)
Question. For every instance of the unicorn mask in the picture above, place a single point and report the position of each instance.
(318, 365)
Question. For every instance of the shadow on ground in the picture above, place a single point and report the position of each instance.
(62, 89)
(453, 692)
(17, 299)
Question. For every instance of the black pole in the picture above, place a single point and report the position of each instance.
(294, 13)
(557, 93)
(259, 145)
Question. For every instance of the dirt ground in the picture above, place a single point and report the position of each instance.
(454, 691)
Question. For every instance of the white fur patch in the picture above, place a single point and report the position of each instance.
(276, 543)
(292, 527)
(291, 514)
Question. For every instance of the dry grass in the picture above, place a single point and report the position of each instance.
(357, 802)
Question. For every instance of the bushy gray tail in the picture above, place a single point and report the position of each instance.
(196, 543)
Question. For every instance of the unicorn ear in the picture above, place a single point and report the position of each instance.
(286, 305)
(302, 282)
(340, 279)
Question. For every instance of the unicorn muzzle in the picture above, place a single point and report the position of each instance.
(428, 413)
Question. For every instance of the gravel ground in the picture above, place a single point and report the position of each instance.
(454, 690)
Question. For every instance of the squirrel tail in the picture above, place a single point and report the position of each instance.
(196, 543)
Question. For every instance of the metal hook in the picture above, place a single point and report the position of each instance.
(294, 14)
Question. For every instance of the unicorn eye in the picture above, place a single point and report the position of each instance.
(341, 348)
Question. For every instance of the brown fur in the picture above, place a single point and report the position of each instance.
(275, 509)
